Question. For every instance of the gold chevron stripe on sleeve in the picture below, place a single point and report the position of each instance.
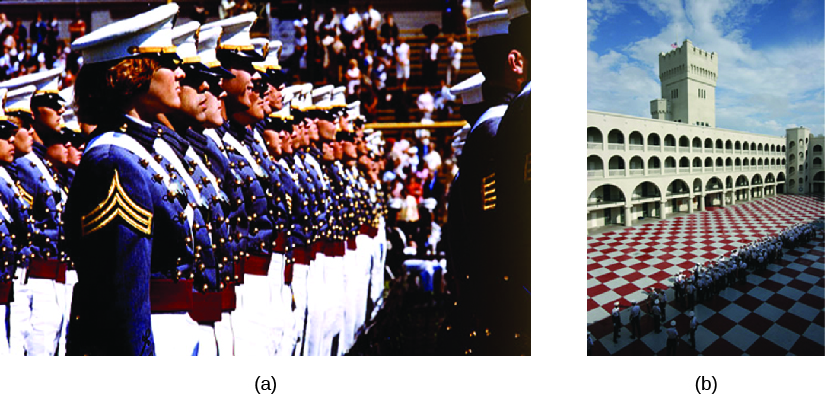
(117, 203)
(27, 197)
(488, 192)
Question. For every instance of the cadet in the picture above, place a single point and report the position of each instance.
(39, 309)
(617, 322)
(693, 325)
(672, 338)
(130, 222)
(253, 321)
(657, 316)
(213, 305)
(15, 229)
(635, 315)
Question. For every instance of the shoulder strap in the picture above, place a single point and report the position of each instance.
(212, 134)
(166, 151)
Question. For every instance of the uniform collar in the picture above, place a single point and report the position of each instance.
(196, 140)
(238, 131)
(178, 144)
(39, 150)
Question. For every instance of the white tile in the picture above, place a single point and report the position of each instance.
(741, 337)
(624, 271)
(760, 293)
(807, 278)
(735, 313)
(605, 298)
(616, 283)
(781, 278)
(804, 311)
(781, 337)
(815, 333)
(770, 312)
(791, 292)
(598, 272)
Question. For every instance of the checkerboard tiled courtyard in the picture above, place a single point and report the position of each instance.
(778, 311)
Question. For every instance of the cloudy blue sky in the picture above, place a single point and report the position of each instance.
(771, 58)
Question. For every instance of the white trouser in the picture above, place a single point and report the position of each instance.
(36, 315)
(300, 275)
(224, 336)
(377, 275)
(316, 302)
(71, 280)
(254, 317)
(334, 313)
(347, 334)
(362, 278)
(175, 334)
(4, 341)
(207, 340)
(282, 305)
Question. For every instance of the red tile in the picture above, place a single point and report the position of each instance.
(591, 304)
(597, 290)
(607, 251)
(765, 347)
(687, 256)
(665, 257)
(788, 272)
(633, 276)
(721, 347)
(794, 323)
(593, 266)
(615, 266)
(771, 285)
(600, 258)
(756, 323)
(640, 266)
(626, 289)
(800, 285)
(807, 347)
(607, 277)
(749, 302)
(660, 275)
(813, 301)
(621, 258)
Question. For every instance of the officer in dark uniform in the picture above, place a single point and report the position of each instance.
(133, 223)
(512, 170)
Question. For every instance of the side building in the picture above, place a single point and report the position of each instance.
(679, 162)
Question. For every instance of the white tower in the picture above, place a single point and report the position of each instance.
(688, 78)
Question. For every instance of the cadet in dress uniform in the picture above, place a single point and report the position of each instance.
(132, 222)
(39, 308)
(212, 307)
(254, 321)
(283, 189)
(512, 169)
(15, 230)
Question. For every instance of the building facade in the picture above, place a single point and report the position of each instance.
(680, 162)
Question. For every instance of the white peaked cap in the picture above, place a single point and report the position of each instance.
(183, 37)
(207, 41)
(261, 45)
(236, 30)
(339, 96)
(148, 32)
(288, 94)
(490, 24)
(68, 94)
(43, 82)
(322, 97)
(69, 116)
(469, 89)
(515, 8)
(19, 99)
(273, 57)
(354, 110)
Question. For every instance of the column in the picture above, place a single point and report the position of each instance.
(662, 208)
(690, 204)
(701, 202)
(724, 197)
(627, 219)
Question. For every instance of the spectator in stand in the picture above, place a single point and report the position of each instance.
(369, 101)
(20, 35)
(371, 23)
(432, 159)
(429, 68)
(353, 76)
(389, 30)
(426, 103)
(379, 78)
(402, 63)
(77, 28)
(351, 26)
(444, 100)
(454, 49)
(225, 9)
(37, 33)
(401, 103)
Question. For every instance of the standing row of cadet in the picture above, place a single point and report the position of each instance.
(215, 211)
(489, 202)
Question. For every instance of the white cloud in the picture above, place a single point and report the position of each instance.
(759, 90)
